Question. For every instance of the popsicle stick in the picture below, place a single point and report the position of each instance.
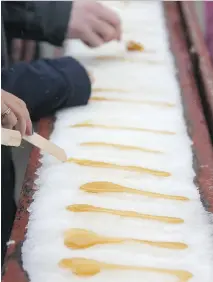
(46, 146)
(10, 137)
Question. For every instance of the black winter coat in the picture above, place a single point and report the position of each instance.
(34, 20)
(66, 82)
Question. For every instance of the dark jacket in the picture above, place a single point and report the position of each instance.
(34, 20)
(44, 85)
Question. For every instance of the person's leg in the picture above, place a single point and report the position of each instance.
(48, 85)
(8, 207)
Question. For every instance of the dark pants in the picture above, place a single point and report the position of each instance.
(8, 207)
(45, 86)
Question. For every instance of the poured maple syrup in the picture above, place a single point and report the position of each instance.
(134, 46)
(120, 147)
(138, 169)
(151, 103)
(106, 58)
(109, 187)
(84, 267)
(110, 90)
(82, 239)
(133, 214)
(130, 60)
(103, 126)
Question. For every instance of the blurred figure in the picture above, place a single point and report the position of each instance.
(46, 86)
(88, 21)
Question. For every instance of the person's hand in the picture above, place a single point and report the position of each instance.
(93, 23)
(14, 114)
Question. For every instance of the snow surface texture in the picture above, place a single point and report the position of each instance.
(58, 184)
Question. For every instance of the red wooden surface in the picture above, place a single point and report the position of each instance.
(200, 47)
(12, 270)
(203, 153)
(197, 127)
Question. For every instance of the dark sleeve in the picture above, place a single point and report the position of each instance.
(54, 84)
(37, 20)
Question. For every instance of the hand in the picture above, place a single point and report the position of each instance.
(18, 116)
(93, 23)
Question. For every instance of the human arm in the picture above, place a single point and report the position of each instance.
(53, 21)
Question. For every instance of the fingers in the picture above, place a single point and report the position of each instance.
(22, 115)
(19, 122)
(119, 32)
(19, 116)
(92, 39)
(100, 32)
(29, 128)
(21, 125)
(111, 18)
(94, 23)
(104, 30)
(24, 109)
(9, 121)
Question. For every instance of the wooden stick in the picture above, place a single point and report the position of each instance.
(46, 146)
(10, 137)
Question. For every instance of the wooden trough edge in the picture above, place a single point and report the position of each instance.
(201, 60)
(194, 115)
